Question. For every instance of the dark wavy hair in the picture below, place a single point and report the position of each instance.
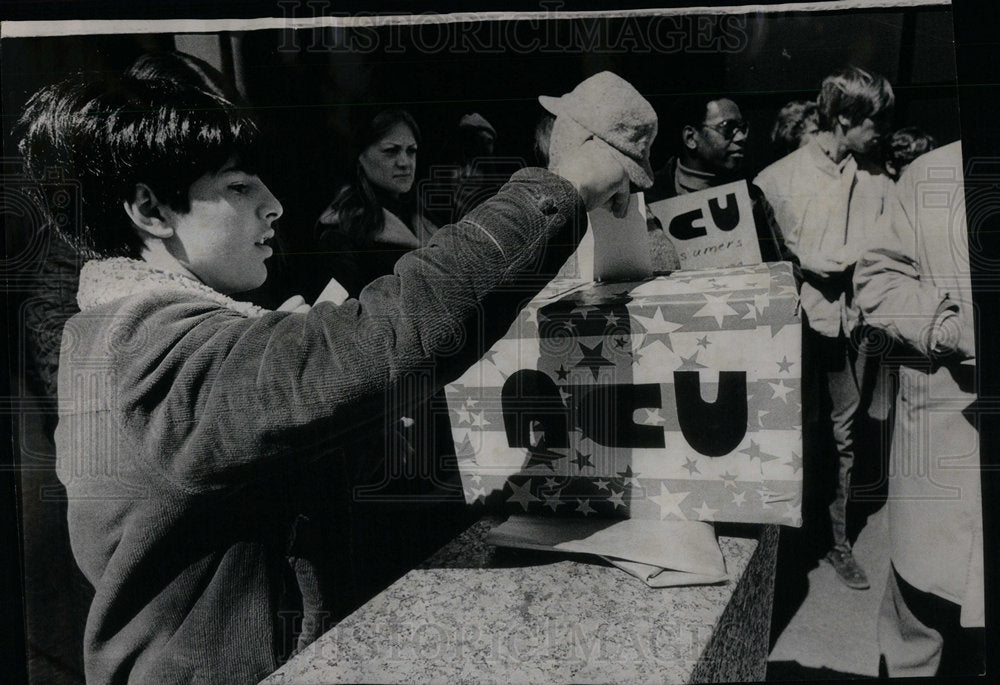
(356, 209)
(166, 122)
(904, 146)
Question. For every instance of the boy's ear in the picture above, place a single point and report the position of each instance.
(845, 121)
(689, 137)
(146, 213)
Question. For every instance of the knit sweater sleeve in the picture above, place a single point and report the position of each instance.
(214, 398)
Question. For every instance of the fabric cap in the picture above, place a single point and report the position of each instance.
(477, 121)
(614, 111)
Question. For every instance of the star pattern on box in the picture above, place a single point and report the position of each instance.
(761, 413)
(691, 363)
(754, 452)
(584, 310)
(521, 494)
(670, 502)
(716, 308)
(582, 460)
(780, 391)
(652, 417)
(760, 302)
(585, 336)
(656, 328)
(615, 498)
(704, 512)
(593, 359)
(628, 477)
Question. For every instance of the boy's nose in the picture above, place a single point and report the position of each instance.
(271, 207)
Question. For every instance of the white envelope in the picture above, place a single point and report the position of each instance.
(660, 553)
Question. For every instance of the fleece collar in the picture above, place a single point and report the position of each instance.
(106, 280)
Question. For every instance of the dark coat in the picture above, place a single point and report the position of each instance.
(355, 266)
(772, 245)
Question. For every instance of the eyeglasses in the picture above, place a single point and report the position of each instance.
(730, 127)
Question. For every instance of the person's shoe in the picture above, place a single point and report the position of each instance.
(848, 569)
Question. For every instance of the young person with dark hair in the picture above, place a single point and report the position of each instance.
(827, 196)
(190, 423)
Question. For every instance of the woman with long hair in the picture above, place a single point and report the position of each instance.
(375, 218)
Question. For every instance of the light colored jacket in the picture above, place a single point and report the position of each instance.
(916, 270)
(825, 208)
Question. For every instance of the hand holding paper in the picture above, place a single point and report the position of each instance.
(295, 304)
(621, 243)
(333, 292)
(597, 175)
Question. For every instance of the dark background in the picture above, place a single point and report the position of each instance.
(309, 100)
(310, 90)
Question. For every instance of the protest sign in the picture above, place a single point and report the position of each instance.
(712, 228)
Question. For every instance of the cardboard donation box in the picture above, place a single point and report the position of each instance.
(676, 398)
(712, 228)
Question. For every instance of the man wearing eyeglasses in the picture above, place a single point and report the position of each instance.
(711, 138)
(826, 199)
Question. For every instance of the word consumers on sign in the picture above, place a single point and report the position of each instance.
(712, 228)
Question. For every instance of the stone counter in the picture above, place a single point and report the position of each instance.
(479, 614)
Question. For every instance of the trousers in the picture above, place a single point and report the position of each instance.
(920, 634)
(842, 368)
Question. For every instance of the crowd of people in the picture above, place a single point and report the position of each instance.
(241, 425)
